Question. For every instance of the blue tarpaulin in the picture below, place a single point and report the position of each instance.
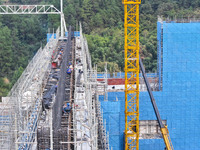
(178, 102)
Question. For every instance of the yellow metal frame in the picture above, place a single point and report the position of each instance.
(131, 33)
(166, 138)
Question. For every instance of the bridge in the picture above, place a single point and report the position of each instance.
(33, 116)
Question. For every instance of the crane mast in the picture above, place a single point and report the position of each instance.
(131, 47)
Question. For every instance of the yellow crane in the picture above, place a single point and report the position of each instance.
(131, 52)
(132, 68)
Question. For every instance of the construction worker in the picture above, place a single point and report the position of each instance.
(70, 66)
(59, 59)
(69, 71)
(52, 56)
(67, 108)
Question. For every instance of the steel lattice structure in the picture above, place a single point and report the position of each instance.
(35, 10)
(131, 33)
(28, 9)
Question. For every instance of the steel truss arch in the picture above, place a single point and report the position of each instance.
(28, 9)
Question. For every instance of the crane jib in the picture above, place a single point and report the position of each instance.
(151, 94)
(163, 128)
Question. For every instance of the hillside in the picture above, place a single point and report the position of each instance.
(102, 22)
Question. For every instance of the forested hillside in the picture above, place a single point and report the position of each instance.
(20, 38)
(102, 22)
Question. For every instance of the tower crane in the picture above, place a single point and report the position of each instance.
(131, 52)
(133, 64)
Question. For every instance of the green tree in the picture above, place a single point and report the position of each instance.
(6, 53)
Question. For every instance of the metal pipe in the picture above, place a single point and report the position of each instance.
(61, 18)
(51, 126)
(76, 142)
(16, 145)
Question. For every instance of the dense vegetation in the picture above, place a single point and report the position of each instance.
(102, 20)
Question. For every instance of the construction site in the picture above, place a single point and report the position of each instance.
(62, 102)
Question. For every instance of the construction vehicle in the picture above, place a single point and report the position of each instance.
(163, 128)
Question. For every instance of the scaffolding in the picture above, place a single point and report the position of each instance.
(86, 110)
(99, 88)
(84, 119)
(20, 110)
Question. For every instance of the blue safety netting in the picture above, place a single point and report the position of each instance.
(75, 34)
(122, 75)
(178, 102)
(49, 35)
